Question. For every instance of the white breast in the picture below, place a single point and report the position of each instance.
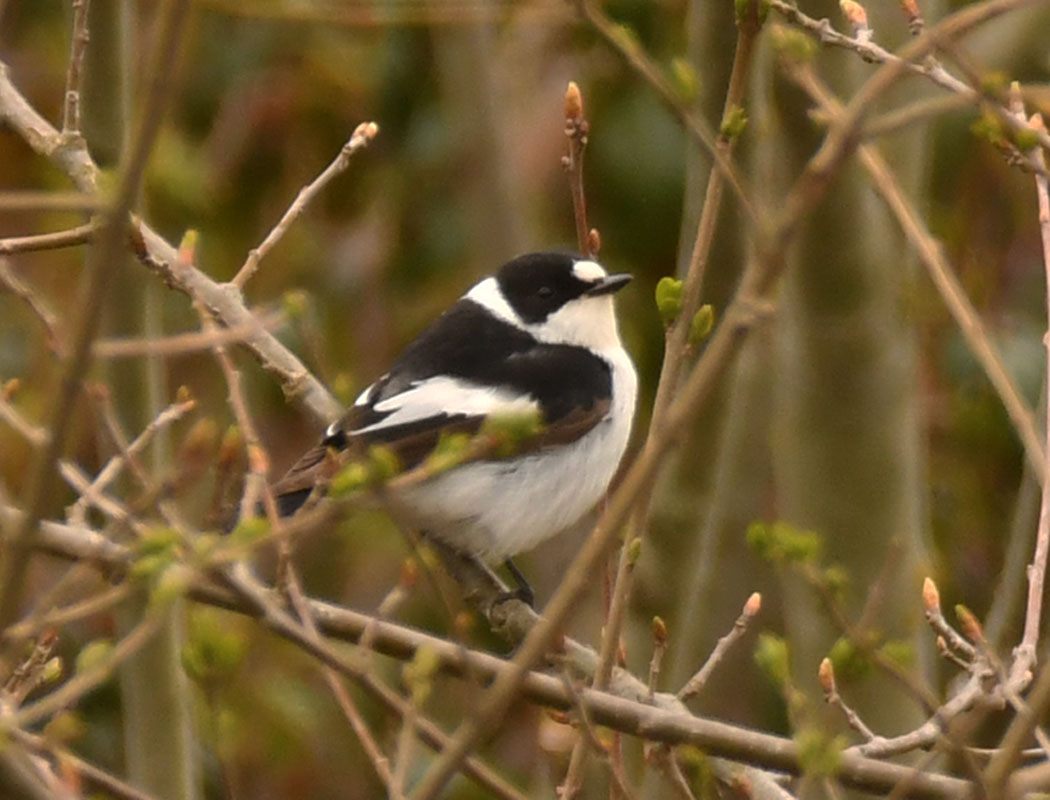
(499, 508)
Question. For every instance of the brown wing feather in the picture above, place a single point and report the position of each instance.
(317, 465)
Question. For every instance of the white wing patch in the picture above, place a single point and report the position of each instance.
(443, 395)
(362, 399)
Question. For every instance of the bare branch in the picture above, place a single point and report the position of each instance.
(178, 344)
(158, 255)
(78, 47)
(696, 684)
(666, 721)
(82, 234)
(362, 135)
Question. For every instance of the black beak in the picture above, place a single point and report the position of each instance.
(609, 284)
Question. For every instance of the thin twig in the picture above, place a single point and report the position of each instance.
(78, 47)
(826, 674)
(31, 200)
(696, 683)
(30, 673)
(32, 433)
(577, 131)
(179, 344)
(116, 463)
(70, 692)
(40, 309)
(59, 617)
(363, 134)
(676, 341)
(82, 234)
(954, 641)
(1024, 657)
(678, 334)
(374, 753)
(88, 772)
(643, 66)
(659, 628)
(930, 67)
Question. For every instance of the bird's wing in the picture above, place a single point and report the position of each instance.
(466, 367)
(410, 423)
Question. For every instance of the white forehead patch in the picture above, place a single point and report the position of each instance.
(488, 295)
(588, 271)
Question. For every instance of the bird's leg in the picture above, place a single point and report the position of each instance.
(524, 591)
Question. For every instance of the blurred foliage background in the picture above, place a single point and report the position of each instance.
(857, 412)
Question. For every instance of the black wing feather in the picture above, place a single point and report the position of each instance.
(572, 386)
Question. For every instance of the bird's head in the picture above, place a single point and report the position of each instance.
(559, 298)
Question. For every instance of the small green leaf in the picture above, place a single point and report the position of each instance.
(686, 80)
(836, 579)
(249, 531)
(783, 542)
(158, 540)
(93, 655)
(701, 325)
(899, 651)
(669, 299)
(450, 451)
(793, 45)
(418, 674)
(510, 431)
(818, 752)
(1026, 139)
(295, 303)
(213, 650)
(849, 662)
(65, 728)
(147, 567)
(734, 123)
(634, 551)
(626, 38)
(383, 463)
(350, 479)
(52, 670)
(988, 127)
(170, 585)
(772, 657)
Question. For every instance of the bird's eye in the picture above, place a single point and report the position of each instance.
(545, 292)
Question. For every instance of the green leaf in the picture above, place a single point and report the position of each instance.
(686, 80)
(818, 752)
(772, 657)
(701, 325)
(249, 531)
(93, 655)
(669, 299)
(350, 479)
(734, 123)
(214, 651)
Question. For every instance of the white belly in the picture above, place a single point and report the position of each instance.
(495, 509)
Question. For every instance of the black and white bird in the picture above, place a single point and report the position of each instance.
(540, 336)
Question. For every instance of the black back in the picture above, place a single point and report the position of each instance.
(470, 343)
